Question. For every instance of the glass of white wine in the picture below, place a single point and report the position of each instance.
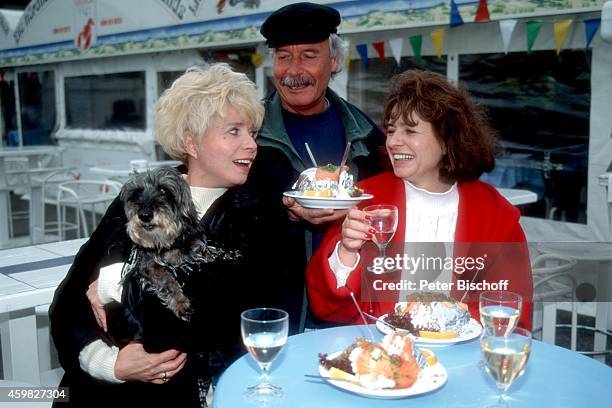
(500, 311)
(264, 333)
(505, 357)
(383, 219)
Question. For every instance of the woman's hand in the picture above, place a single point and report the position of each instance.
(96, 305)
(355, 232)
(135, 364)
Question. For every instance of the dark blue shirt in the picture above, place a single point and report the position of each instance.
(324, 133)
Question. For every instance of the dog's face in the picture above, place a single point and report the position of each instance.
(158, 206)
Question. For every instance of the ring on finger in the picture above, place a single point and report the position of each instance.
(165, 376)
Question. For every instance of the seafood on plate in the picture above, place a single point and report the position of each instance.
(329, 181)
(393, 363)
(430, 315)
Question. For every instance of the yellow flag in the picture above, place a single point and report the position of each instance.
(437, 36)
(257, 59)
(561, 30)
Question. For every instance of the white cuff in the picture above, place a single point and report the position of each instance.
(98, 360)
(341, 271)
(109, 283)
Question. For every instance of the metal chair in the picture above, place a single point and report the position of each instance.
(552, 279)
(94, 194)
(47, 180)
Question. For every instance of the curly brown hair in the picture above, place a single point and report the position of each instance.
(460, 124)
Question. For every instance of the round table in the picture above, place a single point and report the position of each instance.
(554, 377)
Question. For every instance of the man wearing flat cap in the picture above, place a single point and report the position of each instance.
(307, 52)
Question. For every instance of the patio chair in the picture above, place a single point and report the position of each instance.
(552, 280)
(48, 179)
(94, 195)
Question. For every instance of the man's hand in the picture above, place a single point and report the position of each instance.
(315, 216)
(135, 364)
(96, 305)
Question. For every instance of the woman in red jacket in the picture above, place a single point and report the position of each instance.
(439, 143)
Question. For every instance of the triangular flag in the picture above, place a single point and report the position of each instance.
(347, 57)
(561, 28)
(482, 14)
(591, 26)
(437, 36)
(416, 41)
(396, 45)
(455, 16)
(257, 59)
(533, 29)
(362, 49)
(507, 28)
(380, 50)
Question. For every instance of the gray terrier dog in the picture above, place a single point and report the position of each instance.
(164, 226)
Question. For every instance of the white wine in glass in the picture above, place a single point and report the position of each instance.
(505, 357)
(383, 219)
(500, 311)
(264, 333)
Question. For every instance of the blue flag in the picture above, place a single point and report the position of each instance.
(362, 49)
(455, 16)
(590, 27)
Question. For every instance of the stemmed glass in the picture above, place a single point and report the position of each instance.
(505, 357)
(264, 333)
(384, 222)
(500, 311)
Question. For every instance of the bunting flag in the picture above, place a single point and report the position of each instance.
(507, 28)
(347, 57)
(396, 45)
(561, 28)
(482, 14)
(533, 29)
(416, 41)
(455, 16)
(380, 50)
(257, 59)
(362, 49)
(437, 36)
(591, 26)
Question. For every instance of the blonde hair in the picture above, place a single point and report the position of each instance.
(195, 98)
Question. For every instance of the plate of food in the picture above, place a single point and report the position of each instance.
(391, 369)
(432, 318)
(327, 186)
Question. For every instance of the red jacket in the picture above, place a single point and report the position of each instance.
(484, 216)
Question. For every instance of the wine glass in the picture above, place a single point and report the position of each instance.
(505, 357)
(264, 333)
(500, 311)
(383, 219)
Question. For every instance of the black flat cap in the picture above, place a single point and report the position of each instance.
(300, 23)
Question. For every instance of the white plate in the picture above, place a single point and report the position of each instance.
(327, 202)
(430, 378)
(471, 331)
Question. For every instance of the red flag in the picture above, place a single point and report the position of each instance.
(482, 14)
(380, 49)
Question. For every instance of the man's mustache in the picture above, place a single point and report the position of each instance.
(296, 81)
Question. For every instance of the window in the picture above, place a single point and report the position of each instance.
(539, 103)
(7, 110)
(112, 101)
(37, 99)
(367, 87)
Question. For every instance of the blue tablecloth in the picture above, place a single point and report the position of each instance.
(555, 377)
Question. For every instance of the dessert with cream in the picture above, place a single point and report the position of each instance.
(327, 181)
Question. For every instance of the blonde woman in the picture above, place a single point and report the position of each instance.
(208, 119)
